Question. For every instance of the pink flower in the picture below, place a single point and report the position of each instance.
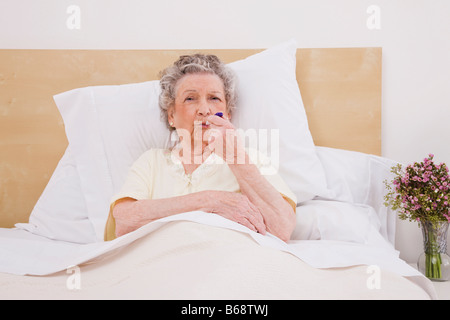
(423, 187)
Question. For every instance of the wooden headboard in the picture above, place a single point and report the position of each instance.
(341, 90)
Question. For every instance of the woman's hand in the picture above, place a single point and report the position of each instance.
(238, 208)
(223, 140)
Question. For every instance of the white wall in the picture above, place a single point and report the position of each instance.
(414, 35)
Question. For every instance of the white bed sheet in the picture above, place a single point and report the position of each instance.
(22, 253)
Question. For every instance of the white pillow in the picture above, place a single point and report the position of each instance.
(108, 127)
(61, 213)
(338, 221)
(358, 177)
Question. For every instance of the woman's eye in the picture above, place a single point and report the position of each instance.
(189, 99)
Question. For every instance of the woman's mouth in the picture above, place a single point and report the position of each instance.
(205, 125)
(202, 124)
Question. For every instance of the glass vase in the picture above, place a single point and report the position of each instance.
(434, 262)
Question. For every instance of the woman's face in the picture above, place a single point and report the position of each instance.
(197, 96)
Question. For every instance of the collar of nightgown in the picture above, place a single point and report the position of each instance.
(206, 169)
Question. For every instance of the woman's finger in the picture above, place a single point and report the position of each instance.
(246, 223)
(218, 121)
(258, 219)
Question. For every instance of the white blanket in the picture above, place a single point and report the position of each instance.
(20, 255)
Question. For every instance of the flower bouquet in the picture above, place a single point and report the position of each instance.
(421, 193)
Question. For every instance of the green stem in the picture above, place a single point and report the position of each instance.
(433, 263)
(433, 260)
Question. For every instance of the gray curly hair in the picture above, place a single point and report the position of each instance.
(189, 64)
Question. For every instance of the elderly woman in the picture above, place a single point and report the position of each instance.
(208, 170)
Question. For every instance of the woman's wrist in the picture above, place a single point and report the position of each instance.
(205, 200)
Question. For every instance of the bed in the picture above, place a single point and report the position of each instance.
(73, 121)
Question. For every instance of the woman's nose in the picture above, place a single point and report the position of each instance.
(204, 109)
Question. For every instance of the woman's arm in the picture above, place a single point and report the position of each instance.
(279, 216)
(131, 214)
